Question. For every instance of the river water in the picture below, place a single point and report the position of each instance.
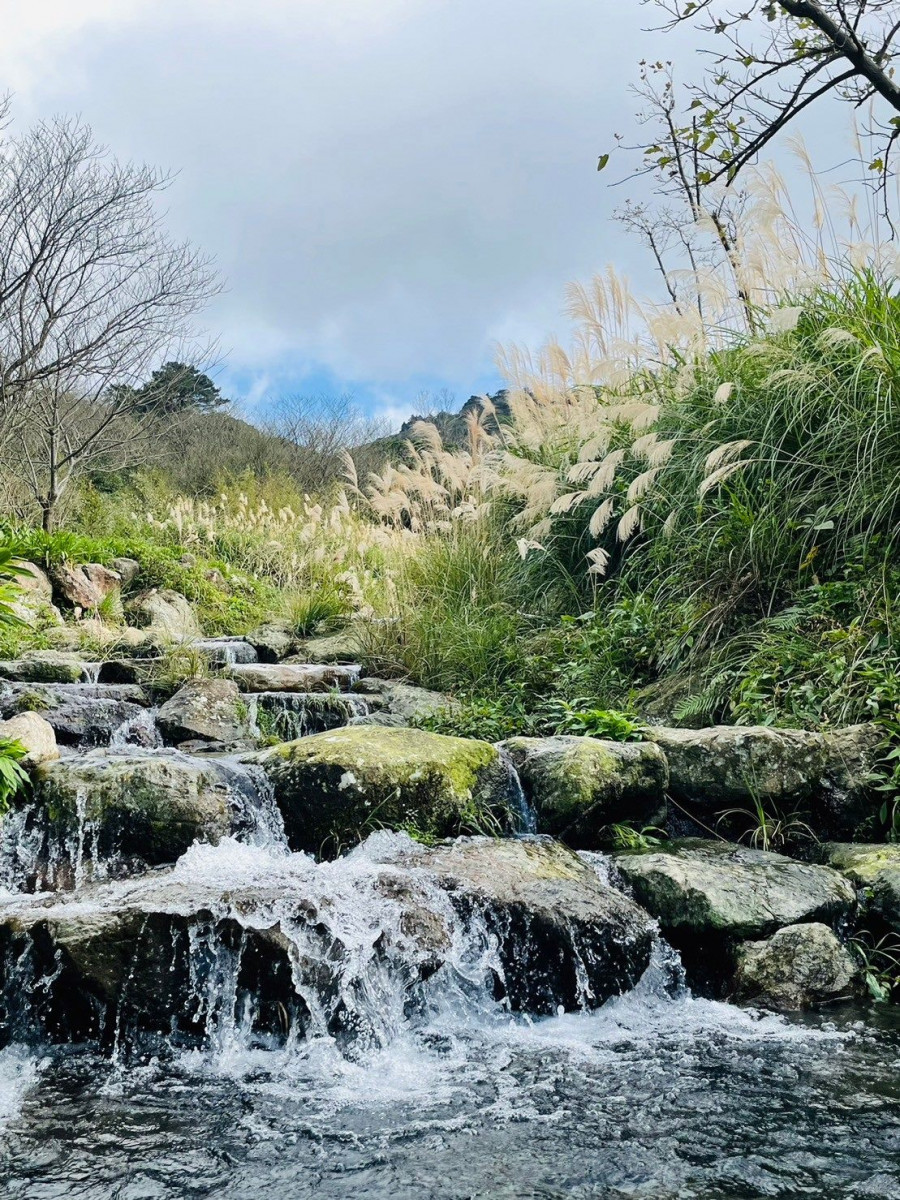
(654, 1095)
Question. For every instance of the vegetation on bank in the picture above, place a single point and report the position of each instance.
(708, 540)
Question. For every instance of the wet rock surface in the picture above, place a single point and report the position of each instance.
(44, 666)
(315, 940)
(695, 888)
(83, 714)
(800, 966)
(580, 785)
(137, 807)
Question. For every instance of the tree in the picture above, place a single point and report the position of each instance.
(93, 292)
(322, 428)
(779, 57)
(176, 389)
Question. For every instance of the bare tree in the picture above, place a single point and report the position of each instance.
(777, 58)
(675, 229)
(93, 293)
(321, 428)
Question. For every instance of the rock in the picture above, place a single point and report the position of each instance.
(272, 642)
(44, 666)
(410, 704)
(549, 911)
(335, 788)
(85, 586)
(209, 709)
(343, 950)
(696, 887)
(285, 716)
(127, 569)
(35, 582)
(281, 677)
(33, 600)
(800, 966)
(136, 807)
(578, 785)
(874, 867)
(166, 615)
(343, 647)
(728, 765)
(35, 734)
(84, 714)
(225, 651)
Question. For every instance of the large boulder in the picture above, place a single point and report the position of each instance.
(209, 709)
(564, 935)
(346, 950)
(875, 868)
(402, 702)
(166, 615)
(579, 785)
(35, 734)
(826, 774)
(44, 666)
(131, 808)
(85, 586)
(696, 887)
(800, 966)
(292, 677)
(335, 788)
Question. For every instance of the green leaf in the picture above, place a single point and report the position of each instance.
(602, 161)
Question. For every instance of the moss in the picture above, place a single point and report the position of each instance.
(334, 788)
(861, 863)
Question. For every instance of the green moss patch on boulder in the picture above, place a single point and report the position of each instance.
(578, 785)
(334, 788)
(874, 867)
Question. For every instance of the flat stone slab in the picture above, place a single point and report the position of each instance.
(293, 677)
(718, 888)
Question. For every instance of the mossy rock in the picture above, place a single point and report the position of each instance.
(134, 806)
(579, 785)
(705, 888)
(874, 867)
(334, 788)
(800, 966)
(44, 666)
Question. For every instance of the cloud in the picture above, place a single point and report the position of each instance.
(388, 185)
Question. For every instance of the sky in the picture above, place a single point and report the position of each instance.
(389, 187)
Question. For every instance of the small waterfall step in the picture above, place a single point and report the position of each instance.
(290, 715)
(237, 940)
(85, 714)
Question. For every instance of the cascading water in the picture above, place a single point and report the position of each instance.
(334, 1028)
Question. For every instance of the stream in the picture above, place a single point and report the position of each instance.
(398, 1072)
